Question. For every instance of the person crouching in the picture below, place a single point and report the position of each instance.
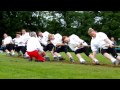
(34, 47)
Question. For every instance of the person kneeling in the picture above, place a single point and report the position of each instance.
(33, 48)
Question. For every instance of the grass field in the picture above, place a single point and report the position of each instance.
(19, 68)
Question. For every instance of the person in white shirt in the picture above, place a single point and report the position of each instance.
(78, 46)
(3, 46)
(101, 40)
(17, 40)
(59, 46)
(24, 38)
(34, 47)
(47, 46)
(9, 44)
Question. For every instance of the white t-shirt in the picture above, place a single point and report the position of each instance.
(17, 41)
(75, 41)
(58, 39)
(33, 44)
(7, 40)
(44, 39)
(24, 39)
(99, 41)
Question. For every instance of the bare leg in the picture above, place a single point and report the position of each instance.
(12, 52)
(113, 60)
(95, 61)
(69, 55)
(80, 58)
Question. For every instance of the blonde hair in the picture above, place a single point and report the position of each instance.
(90, 30)
(50, 35)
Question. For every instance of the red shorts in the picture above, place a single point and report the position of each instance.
(36, 55)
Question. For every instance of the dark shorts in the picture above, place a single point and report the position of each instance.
(111, 51)
(61, 49)
(10, 47)
(81, 50)
(49, 47)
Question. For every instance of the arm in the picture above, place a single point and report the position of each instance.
(94, 54)
(60, 44)
(39, 47)
(107, 40)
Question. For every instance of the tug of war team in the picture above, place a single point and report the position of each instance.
(35, 45)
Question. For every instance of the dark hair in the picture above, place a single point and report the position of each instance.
(18, 33)
(63, 37)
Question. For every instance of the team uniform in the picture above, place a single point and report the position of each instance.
(99, 42)
(78, 45)
(58, 48)
(8, 43)
(45, 42)
(33, 48)
(24, 38)
(58, 39)
(18, 45)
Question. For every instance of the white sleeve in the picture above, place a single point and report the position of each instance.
(39, 47)
(44, 42)
(103, 35)
(77, 39)
(11, 40)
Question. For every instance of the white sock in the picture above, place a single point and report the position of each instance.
(8, 52)
(113, 59)
(59, 55)
(13, 53)
(82, 60)
(95, 60)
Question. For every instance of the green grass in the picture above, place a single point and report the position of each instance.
(19, 68)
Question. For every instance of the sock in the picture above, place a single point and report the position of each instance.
(113, 59)
(81, 60)
(59, 55)
(8, 52)
(95, 60)
(13, 53)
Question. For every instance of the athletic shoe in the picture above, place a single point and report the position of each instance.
(71, 60)
(56, 58)
(8, 54)
(96, 62)
(115, 63)
(30, 59)
(82, 62)
(47, 58)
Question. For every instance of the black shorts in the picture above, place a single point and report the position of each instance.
(49, 47)
(111, 51)
(10, 47)
(61, 49)
(81, 50)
